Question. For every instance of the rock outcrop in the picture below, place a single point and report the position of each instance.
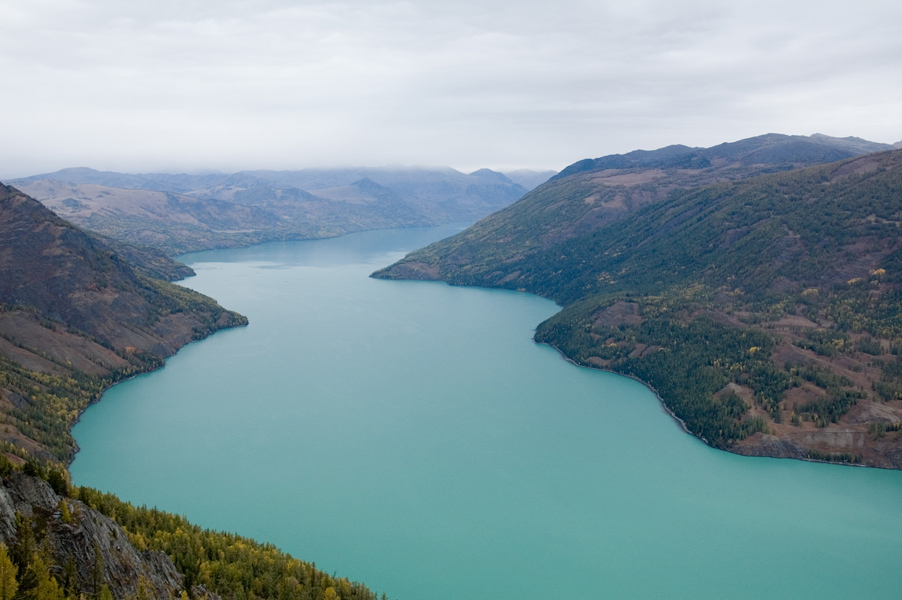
(79, 532)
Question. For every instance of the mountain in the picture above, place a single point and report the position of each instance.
(765, 310)
(182, 213)
(769, 149)
(595, 193)
(160, 182)
(530, 179)
(76, 316)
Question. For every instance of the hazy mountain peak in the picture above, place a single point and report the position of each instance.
(529, 178)
(769, 149)
(368, 185)
(493, 175)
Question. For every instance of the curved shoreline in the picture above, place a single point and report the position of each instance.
(682, 423)
(663, 404)
(129, 378)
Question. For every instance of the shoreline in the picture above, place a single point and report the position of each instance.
(634, 378)
(129, 378)
(685, 429)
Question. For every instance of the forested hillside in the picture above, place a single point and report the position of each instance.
(76, 316)
(595, 193)
(767, 311)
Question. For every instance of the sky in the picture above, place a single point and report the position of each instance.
(195, 85)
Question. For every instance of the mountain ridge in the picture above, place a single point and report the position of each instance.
(574, 205)
(182, 213)
(770, 148)
(790, 277)
(77, 316)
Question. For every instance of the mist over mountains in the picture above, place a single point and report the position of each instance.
(179, 213)
(755, 284)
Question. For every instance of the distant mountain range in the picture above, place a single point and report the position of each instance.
(181, 213)
(759, 295)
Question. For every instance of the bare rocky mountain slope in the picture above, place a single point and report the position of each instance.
(95, 546)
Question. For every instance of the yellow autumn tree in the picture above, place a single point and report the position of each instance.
(47, 588)
(8, 585)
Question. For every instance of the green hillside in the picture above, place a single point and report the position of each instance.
(769, 305)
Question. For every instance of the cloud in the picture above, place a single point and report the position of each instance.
(277, 84)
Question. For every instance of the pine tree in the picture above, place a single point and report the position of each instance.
(46, 587)
(97, 572)
(70, 577)
(65, 515)
(25, 545)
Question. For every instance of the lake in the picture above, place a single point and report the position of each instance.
(410, 435)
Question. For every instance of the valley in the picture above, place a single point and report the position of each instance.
(753, 285)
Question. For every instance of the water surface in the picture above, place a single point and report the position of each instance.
(411, 436)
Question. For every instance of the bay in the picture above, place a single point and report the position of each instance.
(410, 435)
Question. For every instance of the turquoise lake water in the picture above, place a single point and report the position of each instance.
(410, 435)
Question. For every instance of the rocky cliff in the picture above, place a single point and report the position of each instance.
(33, 515)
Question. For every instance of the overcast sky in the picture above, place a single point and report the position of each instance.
(186, 85)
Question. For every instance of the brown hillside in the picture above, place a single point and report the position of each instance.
(76, 316)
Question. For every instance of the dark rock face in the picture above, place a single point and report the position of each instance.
(123, 565)
(770, 445)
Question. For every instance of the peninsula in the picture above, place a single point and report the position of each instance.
(759, 295)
